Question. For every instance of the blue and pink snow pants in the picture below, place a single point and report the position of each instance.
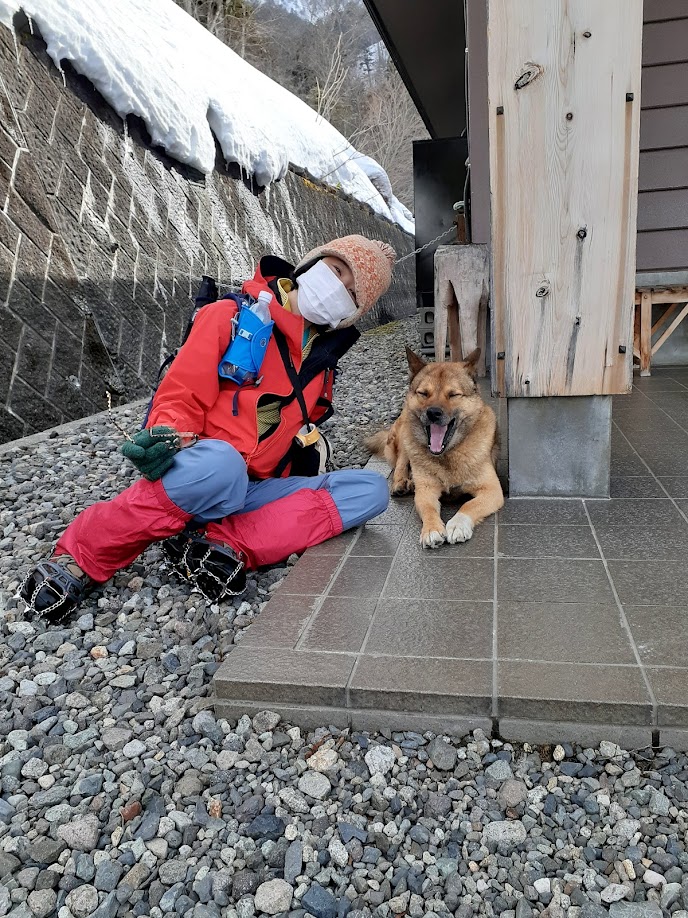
(265, 521)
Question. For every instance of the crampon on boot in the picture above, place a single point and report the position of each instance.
(51, 591)
(214, 569)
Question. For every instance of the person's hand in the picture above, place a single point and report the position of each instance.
(153, 450)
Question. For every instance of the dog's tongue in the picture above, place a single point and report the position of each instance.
(437, 432)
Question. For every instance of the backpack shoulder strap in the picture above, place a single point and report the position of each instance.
(291, 371)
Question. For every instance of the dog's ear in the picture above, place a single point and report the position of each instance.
(415, 362)
(470, 364)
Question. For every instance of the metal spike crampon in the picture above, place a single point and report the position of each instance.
(48, 612)
(200, 570)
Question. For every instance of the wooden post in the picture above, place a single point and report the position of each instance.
(461, 294)
(564, 117)
(645, 332)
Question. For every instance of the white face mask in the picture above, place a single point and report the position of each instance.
(322, 297)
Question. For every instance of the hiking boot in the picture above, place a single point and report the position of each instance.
(54, 589)
(213, 567)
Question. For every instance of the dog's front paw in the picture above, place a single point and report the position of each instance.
(432, 538)
(402, 488)
(459, 528)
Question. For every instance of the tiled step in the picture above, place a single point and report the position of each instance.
(560, 619)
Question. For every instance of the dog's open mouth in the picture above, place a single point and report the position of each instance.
(438, 436)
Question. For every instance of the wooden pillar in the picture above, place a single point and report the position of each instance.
(461, 294)
(564, 114)
(645, 332)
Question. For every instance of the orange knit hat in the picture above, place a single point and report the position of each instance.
(370, 262)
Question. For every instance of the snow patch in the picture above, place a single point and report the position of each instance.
(153, 60)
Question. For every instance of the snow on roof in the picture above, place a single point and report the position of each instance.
(150, 58)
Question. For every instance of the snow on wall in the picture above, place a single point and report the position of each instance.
(151, 59)
(105, 241)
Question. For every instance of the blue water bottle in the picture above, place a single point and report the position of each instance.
(251, 332)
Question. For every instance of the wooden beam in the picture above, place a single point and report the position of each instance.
(668, 295)
(645, 332)
(664, 317)
(671, 329)
(455, 344)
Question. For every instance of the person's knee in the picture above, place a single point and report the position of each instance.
(210, 474)
(360, 495)
(379, 492)
(224, 468)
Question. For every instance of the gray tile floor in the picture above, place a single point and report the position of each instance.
(559, 617)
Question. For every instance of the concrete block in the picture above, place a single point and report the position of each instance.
(31, 407)
(538, 732)
(560, 447)
(399, 721)
(677, 739)
(305, 716)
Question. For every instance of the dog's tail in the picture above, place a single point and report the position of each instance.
(377, 442)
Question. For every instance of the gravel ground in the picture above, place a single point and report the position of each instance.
(121, 794)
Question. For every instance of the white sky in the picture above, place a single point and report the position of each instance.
(150, 58)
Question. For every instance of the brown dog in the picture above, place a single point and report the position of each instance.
(444, 440)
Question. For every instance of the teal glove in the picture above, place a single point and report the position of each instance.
(153, 450)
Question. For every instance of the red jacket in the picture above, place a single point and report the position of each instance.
(193, 398)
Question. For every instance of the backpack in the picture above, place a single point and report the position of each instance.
(207, 293)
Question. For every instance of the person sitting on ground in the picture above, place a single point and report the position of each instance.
(223, 464)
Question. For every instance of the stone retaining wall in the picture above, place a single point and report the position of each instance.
(103, 240)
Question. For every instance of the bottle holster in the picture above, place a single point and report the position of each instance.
(244, 357)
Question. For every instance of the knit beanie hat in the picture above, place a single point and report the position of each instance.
(370, 262)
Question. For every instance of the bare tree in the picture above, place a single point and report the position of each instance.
(329, 93)
(331, 60)
(234, 22)
(390, 125)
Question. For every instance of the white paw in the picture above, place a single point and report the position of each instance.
(432, 539)
(459, 528)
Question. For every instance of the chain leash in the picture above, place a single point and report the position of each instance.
(182, 440)
(113, 419)
(452, 229)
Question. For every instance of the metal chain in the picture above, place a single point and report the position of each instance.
(181, 441)
(31, 602)
(113, 419)
(427, 245)
(183, 568)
